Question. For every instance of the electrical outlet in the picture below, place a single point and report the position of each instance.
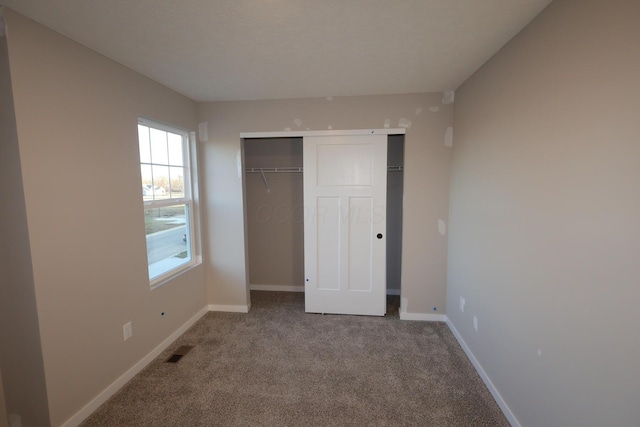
(475, 323)
(127, 330)
(462, 303)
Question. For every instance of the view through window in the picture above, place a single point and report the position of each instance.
(166, 193)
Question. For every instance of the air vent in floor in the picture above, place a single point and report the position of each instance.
(179, 353)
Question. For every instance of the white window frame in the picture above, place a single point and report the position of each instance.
(189, 199)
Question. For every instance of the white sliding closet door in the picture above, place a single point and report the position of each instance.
(345, 186)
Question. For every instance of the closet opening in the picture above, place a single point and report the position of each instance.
(395, 194)
(275, 214)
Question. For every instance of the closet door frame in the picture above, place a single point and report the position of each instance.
(291, 134)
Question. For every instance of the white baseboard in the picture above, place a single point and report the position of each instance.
(88, 409)
(229, 308)
(81, 415)
(291, 288)
(424, 317)
(277, 288)
(487, 381)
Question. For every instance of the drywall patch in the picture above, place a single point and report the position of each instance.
(329, 127)
(448, 97)
(329, 98)
(434, 109)
(203, 131)
(387, 123)
(404, 123)
(287, 129)
(442, 227)
(297, 122)
(448, 137)
(418, 111)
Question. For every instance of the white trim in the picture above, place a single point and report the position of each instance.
(423, 317)
(487, 381)
(292, 288)
(92, 406)
(152, 123)
(277, 288)
(229, 308)
(171, 274)
(296, 134)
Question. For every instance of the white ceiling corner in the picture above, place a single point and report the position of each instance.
(216, 50)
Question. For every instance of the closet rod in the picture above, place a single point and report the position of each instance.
(299, 170)
(262, 171)
(273, 170)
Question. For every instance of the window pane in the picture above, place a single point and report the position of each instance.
(164, 175)
(168, 245)
(147, 182)
(145, 148)
(175, 149)
(176, 182)
(159, 147)
(160, 182)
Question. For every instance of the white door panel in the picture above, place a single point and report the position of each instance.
(328, 243)
(350, 164)
(345, 200)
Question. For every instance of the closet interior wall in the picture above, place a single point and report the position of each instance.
(275, 213)
(395, 157)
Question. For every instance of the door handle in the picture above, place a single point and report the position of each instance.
(379, 236)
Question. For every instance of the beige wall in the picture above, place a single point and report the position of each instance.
(76, 115)
(545, 216)
(426, 182)
(23, 382)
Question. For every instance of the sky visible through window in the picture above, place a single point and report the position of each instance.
(161, 164)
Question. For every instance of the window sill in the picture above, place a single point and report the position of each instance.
(172, 274)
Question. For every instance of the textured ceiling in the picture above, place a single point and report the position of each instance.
(213, 50)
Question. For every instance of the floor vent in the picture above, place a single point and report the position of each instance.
(179, 353)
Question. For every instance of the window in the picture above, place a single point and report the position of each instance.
(167, 196)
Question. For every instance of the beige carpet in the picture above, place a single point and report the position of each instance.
(277, 366)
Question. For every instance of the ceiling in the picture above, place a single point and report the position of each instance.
(218, 50)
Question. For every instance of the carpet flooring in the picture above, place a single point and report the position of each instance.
(278, 366)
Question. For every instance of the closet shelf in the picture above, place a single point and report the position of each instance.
(262, 171)
(300, 170)
(274, 170)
